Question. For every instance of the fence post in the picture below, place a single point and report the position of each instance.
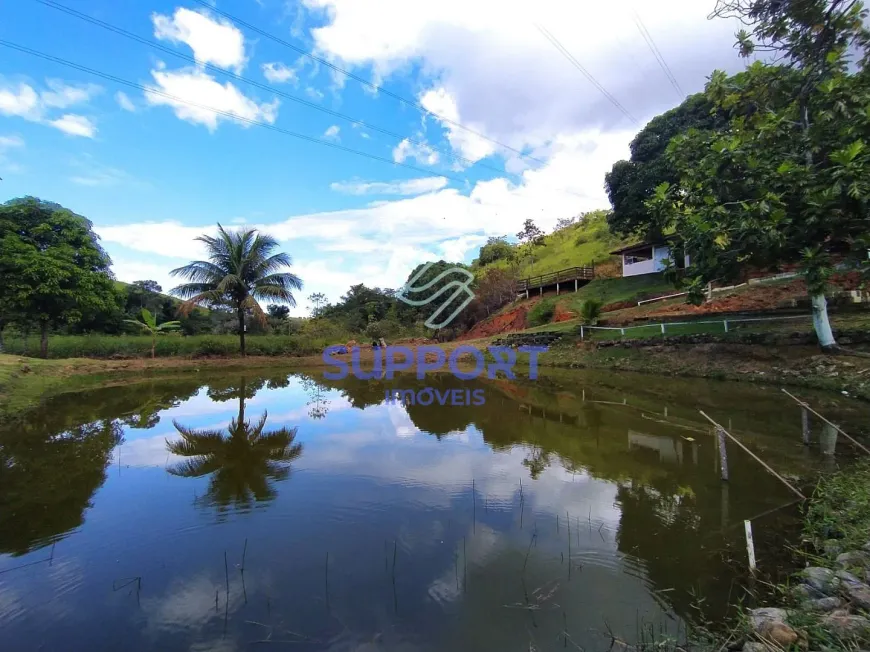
(557, 288)
(723, 454)
(663, 329)
(581, 331)
(725, 322)
(805, 426)
(750, 547)
(622, 331)
(575, 285)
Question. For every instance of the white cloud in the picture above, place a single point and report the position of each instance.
(278, 73)
(212, 40)
(124, 101)
(421, 152)
(8, 142)
(470, 146)
(75, 125)
(408, 187)
(313, 93)
(486, 64)
(63, 95)
(191, 85)
(25, 102)
(331, 132)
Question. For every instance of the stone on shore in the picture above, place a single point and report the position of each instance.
(853, 559)
(845, 626)
(821, 579)
(822, 605)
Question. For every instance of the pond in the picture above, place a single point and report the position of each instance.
(203, 512)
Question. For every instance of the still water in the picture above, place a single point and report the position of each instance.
(237, 513)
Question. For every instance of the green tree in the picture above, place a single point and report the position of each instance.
(631, 183)
(495, 249)
(318, 303)
(530, 233)
(788, 179)
(277, 311)
(241, 465)
(53, 270)
(241, 270)
(149, 325)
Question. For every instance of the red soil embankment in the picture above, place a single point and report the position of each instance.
(515, 319)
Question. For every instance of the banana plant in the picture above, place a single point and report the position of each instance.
(149, 325)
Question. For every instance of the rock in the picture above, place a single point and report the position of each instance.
(778, 633)
(832, 547)
(855, 558)
(846, 626)
(855, 590)
(804, 592)
(765, 615)
(822, 604)
(821, 579)
(752, 646)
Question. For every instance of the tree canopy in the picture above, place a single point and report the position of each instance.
(53, 268)
(631, 183)
(787, 179)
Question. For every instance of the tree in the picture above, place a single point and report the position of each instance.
(788, 179)
(630, 183)
(564, 223)
(241, 270)
(530, 233)
(149, 325)
(318, 301)
(495, 249)
(495, 288)
(53, 270)
(277, 311)
(148, 286)
(241, 465)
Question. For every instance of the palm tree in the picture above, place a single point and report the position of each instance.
(242, 465)
(149, 325)
(240, 271)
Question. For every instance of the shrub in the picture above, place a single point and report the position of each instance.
(590, 312)
(542, 313)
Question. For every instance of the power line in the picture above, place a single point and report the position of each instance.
(227, 114)
(293, 98)
(657, 54)
(555, 42)
(363, 81)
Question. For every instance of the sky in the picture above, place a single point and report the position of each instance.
(464, 119)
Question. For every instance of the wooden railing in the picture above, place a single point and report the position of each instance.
(562, 276)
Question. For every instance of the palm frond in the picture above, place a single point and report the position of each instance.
(200, 271)
(195, 467)
(169, 326)
(251, 304)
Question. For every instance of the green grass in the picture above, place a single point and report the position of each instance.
(132, 346)
(615, 290)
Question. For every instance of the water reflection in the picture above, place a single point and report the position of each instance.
(47, 480)
(243, 465)
(556, 506)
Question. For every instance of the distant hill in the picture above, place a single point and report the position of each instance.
(587, 241)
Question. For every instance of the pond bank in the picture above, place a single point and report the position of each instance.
(24, 381)
(795, 365)
(828, 605)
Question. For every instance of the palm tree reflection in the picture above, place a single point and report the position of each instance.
(243, 465)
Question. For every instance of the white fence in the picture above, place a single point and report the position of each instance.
(663, 326)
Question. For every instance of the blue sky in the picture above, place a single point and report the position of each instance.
(153, 172)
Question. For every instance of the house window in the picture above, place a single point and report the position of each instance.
(639, 256)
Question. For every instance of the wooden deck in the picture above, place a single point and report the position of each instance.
(568, 276)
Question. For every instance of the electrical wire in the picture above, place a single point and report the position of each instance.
(555, 42)
(227, 114)
(363, 81)
(644, 32)
(293, 98)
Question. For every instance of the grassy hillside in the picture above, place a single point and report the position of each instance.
(584, 243)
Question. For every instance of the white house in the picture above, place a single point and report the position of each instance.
(646, 258)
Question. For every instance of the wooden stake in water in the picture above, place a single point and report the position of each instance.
(753, 455)
(750, 547)
(805, 426)
(804, 405)
(723, 453)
